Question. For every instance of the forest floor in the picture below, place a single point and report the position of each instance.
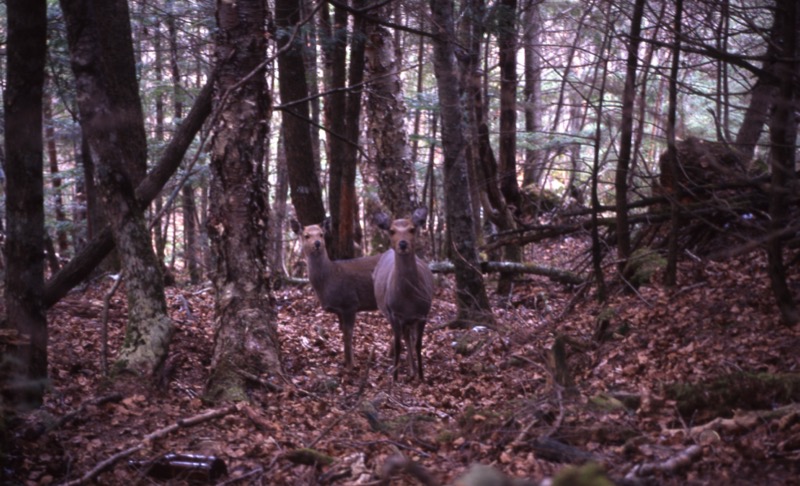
(490, 396)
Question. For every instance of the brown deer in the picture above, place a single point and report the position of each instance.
(404, 288)
(343, 287)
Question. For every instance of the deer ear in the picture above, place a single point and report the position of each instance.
(381, 221)
(296, 227)
(326, 225)
(419, 216)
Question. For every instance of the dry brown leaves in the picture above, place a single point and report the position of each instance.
(489, 398)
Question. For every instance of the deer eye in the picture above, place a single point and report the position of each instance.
(392, 232)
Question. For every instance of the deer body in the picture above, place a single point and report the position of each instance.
(404, 289)
(343, 287)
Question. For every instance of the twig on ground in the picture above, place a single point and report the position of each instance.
(108, 463)
(671, 465)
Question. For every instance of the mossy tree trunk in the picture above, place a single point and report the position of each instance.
(245, 338)
(99, 35)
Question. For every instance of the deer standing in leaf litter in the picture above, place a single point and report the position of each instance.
(343, 287)
(404, 288)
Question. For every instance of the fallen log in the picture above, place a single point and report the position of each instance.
(555, 274)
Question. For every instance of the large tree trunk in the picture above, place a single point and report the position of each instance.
(111, 117)
(471, 299)
(306, 191)
(24, 245)
(246, 336)
(783, 136)
(386, 112)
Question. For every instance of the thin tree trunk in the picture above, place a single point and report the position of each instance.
(670, 274)
(348, 226)
(335, 51)
(471, 299)
(626, 132)
(58, 200)
(597, 250)
(762, 97)
(533, 91)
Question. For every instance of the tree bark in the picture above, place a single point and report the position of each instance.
(761, 99)
(386, 112)
(102, 58)
(507, 170)
(24, 245)
(58, 200)
(305, 188)
(245, 332)
(671, 272)
(533, 168)
(626, 135)
(783, 136)
(471, 299)
(335, 50)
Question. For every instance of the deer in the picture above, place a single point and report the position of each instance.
(404, 288)
(342, 287)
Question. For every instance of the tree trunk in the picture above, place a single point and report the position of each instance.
(111, 116)
(187, 191)
(533, 168)
(386, 112)
(245, 331)
(507, 167)
(24, 245)
(507, 45)
(306, 191)
(761, 99)
(471, 299)
(783, 136)
(58, 201)
(670, 273)
(335, 51)
(626, 135)
(81, 266)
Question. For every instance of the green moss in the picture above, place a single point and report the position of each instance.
(591, 474)
(642, 265)
(743, 391)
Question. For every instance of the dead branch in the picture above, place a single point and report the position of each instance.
(555, 274)
(114, 397)
(671, 465)
(740, 421)
(108, 463)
